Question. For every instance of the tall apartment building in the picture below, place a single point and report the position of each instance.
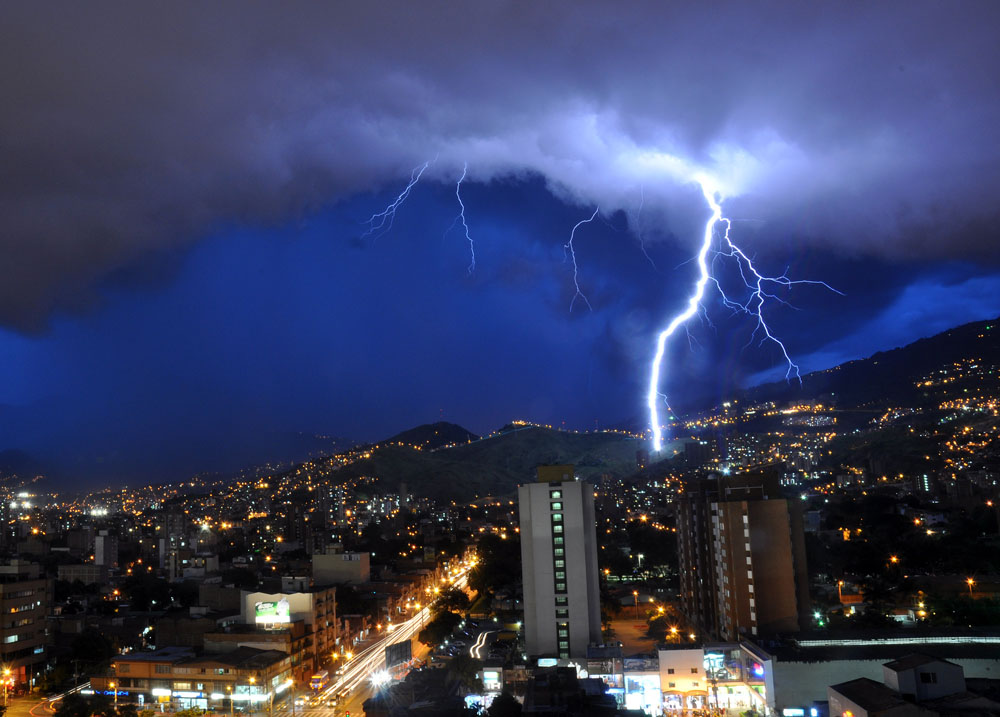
(106, 549)
(562, 611)
(741, 557)
(25, 601)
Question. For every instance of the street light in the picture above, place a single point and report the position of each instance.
(6, 679)
(635, 596)
(970, 582)
(114, 687)
(232, 709)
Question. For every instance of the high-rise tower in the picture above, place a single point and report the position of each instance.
(562, 609)
(741, 557)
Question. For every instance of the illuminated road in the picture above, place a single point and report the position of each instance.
(370, 659)
(476, 650)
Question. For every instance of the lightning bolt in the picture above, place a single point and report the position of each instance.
(569, 251)
(638, 229)
(461, 217)
(761, 291)
(380, 223)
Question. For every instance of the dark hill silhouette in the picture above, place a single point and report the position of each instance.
(494, 465)
(888, 376)
(431, 436)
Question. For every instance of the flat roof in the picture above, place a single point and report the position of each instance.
(164, 654)
(242, 657)
(867, 693)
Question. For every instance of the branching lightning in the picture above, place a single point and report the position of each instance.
(760, 294)
(380, 223)
(570, 253)
(638, 229)
(461, 217)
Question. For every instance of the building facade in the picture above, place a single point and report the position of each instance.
(25, 601)
(562, 613)
(741, 557)
(175, 678)
(316, 608)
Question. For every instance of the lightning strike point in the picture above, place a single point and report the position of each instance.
(569, 252)
(761, 291)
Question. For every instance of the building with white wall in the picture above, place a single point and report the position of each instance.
(562, 611)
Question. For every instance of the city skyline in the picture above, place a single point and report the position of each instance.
(190, 273)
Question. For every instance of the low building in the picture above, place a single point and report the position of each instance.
(333, 568)
(87, 573)
(867, 698)
(294, 639)
(176, 679)
(316, 608)
(913, 686)
(792, 677)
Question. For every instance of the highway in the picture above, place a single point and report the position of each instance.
(368, 664)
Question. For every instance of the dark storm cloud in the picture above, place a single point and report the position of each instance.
(871, 127)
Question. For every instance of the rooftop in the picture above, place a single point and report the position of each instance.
(164, 654)
(909, 662)
(868, 694)
(247, 658)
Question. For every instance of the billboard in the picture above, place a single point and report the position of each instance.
(272, 612)
(397, 654)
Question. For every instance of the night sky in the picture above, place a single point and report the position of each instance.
(187, 279)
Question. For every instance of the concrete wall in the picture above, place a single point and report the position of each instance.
(539, 546)
(337, 568)
(684, 668)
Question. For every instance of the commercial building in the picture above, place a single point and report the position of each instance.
(741, 557)
(293, 639)
(316, 608)
(562, 614)
(914, 686)
(177, 679)
(792, 677)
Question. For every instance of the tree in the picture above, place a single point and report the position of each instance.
(464, 669)
(499, 563)
(453, 600)
(505, 705)
(91, 647)
(73, 705)
(439, 628)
